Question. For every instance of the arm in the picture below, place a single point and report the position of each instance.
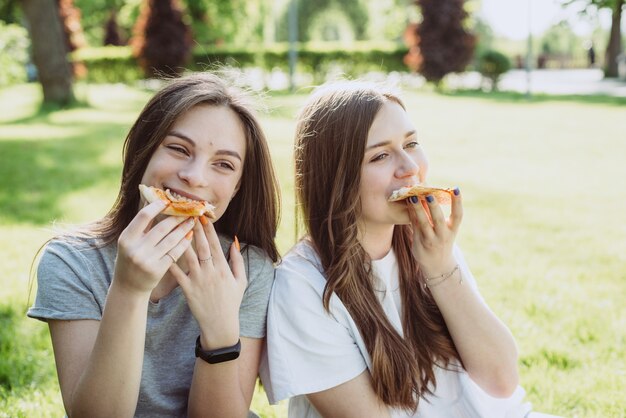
(227, 387)
(484, 343)
(352, 399)
(99, 363)
(214, 291)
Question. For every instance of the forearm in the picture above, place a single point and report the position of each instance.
(109, 386)
(216, 390)
(485, 344)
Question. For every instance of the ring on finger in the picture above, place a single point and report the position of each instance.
(206, 260)
(171, 256)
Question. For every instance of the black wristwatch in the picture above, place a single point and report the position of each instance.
(219, 355)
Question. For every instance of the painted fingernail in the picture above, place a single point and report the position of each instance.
(430, 199)
(414, 199)
(189, 234)
(456, 191)
(237, 243)
(204, 220)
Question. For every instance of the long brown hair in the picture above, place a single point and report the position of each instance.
(254, 211)
(330, 142)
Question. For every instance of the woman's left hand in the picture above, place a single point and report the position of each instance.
(213, 288)
(433, 234)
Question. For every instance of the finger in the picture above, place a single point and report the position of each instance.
(144, 218)
(182, 279)
(172, 240)
(456, 211)
(236, 263)
(202, 244)
(423, 224)
(219, 259)
(165, 227)
(436, 214)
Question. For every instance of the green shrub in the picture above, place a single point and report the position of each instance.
(492, 65)
(116, 64)
(14, 44)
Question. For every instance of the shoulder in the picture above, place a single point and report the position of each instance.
(75, 251)
(300, 267)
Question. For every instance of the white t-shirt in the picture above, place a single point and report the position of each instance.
(310, 349)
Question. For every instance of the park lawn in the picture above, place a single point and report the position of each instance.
(543, 189)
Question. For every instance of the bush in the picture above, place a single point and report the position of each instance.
(492, 65)
(14, 45)
(117, 64)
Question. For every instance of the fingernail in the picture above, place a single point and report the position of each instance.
(204, 220)
(456, 191)
(189, 234)
(237, 243)
(430, 199)
(414, 199)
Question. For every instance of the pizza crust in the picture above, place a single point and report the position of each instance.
(177, 206)
(443, 196)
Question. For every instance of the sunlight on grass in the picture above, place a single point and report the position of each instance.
(543, 191)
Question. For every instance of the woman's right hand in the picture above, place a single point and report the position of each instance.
(145, 251)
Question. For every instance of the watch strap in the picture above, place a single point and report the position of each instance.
(218, 355)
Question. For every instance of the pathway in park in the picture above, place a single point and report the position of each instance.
(583, 82)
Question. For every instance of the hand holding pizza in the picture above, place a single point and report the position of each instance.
(147, 250)
(433, 234)
(213, 287)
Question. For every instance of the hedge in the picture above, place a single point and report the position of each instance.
(116, 64)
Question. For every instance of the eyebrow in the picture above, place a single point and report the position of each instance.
(185, 138)
(382, 144)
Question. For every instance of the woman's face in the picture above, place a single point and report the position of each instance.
(393, 159)
(201, 156)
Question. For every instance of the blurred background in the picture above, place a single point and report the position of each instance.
(521, 103)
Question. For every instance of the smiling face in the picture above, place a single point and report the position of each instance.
(393, 159)
(201, 156)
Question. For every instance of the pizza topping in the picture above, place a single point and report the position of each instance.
(177, 205)
(442, 195)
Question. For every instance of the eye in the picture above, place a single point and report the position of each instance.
(412, 144)
(178, 149)
(227, 165)
(379, 157)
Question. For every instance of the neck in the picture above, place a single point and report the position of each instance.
(376, 241)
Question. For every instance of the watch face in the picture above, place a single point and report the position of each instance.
(219, 358)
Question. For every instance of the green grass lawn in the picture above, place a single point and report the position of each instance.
(544, 190)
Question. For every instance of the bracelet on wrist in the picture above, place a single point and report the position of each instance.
(437, 280)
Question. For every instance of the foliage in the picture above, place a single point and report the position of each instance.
(445, 46)
(308, 11)
(9, 11)
(116, 64)
(492, 65)
(161, 39)
(14, 44)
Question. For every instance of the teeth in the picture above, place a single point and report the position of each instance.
(175, 197)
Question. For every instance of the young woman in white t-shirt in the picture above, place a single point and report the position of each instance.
(375, 313)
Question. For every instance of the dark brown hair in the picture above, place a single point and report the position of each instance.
(254, 211)
(330, 141)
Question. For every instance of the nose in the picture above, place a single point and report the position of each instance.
(407, 167)
(193, 173)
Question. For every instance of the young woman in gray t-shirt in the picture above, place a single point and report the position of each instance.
(153, 315)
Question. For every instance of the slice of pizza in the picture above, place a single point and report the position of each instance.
(443, 196)
(177, 205)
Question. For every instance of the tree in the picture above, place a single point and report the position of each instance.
(614, 46)
(162, 40)
(443, 44)
(49, 50)
(112, 34)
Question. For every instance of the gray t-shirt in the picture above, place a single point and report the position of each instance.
(73, 281)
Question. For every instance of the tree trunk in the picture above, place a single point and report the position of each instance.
(49, 50)
(614, 48)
